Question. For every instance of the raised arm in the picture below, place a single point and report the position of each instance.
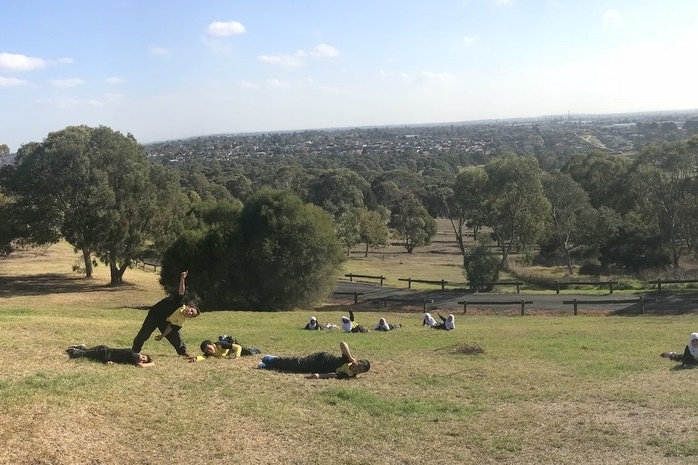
(182, 286)
(344, 347)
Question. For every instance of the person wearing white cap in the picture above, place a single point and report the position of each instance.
(313, 324)
(689, 358)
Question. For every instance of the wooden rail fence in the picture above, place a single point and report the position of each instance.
(423, 281)
(522, 303)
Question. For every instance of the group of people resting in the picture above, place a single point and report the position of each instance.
(349, 325)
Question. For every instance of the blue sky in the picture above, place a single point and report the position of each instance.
(168, 69)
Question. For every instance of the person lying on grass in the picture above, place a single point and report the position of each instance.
(351, 326)
(429, 320)
(226, 347)
(109, 356)
(689, 358)
(446, 323)
(383, 325)
(319, 364)
(313, 324)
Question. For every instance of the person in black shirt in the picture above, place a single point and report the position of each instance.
(109, 356)
(319, 364)
(689, 358)
(168, 315)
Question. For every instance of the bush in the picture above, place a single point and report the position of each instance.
(482, 266)
(276, 254)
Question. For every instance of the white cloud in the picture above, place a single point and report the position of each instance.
(67, 83)
(161, 51)
(297, 59)
(611, 16)
(249, 85)
(225, 29)
(113, 97)
(325, 51)
(287, 61)
(115, 80)
(438, 77)
(16, 62)
(467, 40)
(277, 83)
(11, 82)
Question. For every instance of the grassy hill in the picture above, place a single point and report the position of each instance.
(544, 390)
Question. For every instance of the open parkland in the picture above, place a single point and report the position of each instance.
(544, 388)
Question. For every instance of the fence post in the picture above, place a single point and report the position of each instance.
(382, 279)
(642, 305)
(351, 277)
(523, 306)
(443, 284)
(575, 306)
(409, 283)
(659, 286)
(610, 284)
(557, 287)
(465, 307)
(517, 287)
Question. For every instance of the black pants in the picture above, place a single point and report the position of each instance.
(97, 353)
(319, 362)
(152, 323)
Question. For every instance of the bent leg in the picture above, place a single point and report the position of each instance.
(175, 339)
(149, 325)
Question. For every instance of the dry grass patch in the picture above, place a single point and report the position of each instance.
(532, 390)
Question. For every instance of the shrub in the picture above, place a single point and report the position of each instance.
(482, 266)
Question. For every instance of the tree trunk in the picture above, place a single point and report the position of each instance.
(117, 273)
(569, 260)
(87, 258)
(366, 253)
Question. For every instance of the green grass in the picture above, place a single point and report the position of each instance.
(542, 390)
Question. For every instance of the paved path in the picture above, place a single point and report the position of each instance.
(373, 295)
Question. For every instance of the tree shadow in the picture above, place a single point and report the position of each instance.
(680, 304)
(52, 283)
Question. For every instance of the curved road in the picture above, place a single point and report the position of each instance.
(372, 296)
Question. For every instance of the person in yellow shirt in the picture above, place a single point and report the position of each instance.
(226, 347)
(168, 316)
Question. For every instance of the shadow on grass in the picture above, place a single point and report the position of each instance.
(680, 304)
(52, 283)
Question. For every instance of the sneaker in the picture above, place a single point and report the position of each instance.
(668, 354)
(261, 365)
(79, 346)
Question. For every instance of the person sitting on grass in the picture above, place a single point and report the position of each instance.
(109, 356)
(313, 324)
(446, 323)
(689, 358)
(320, 364)
(351, 326)
(383, 325)
(226, 347)
(429, 320)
